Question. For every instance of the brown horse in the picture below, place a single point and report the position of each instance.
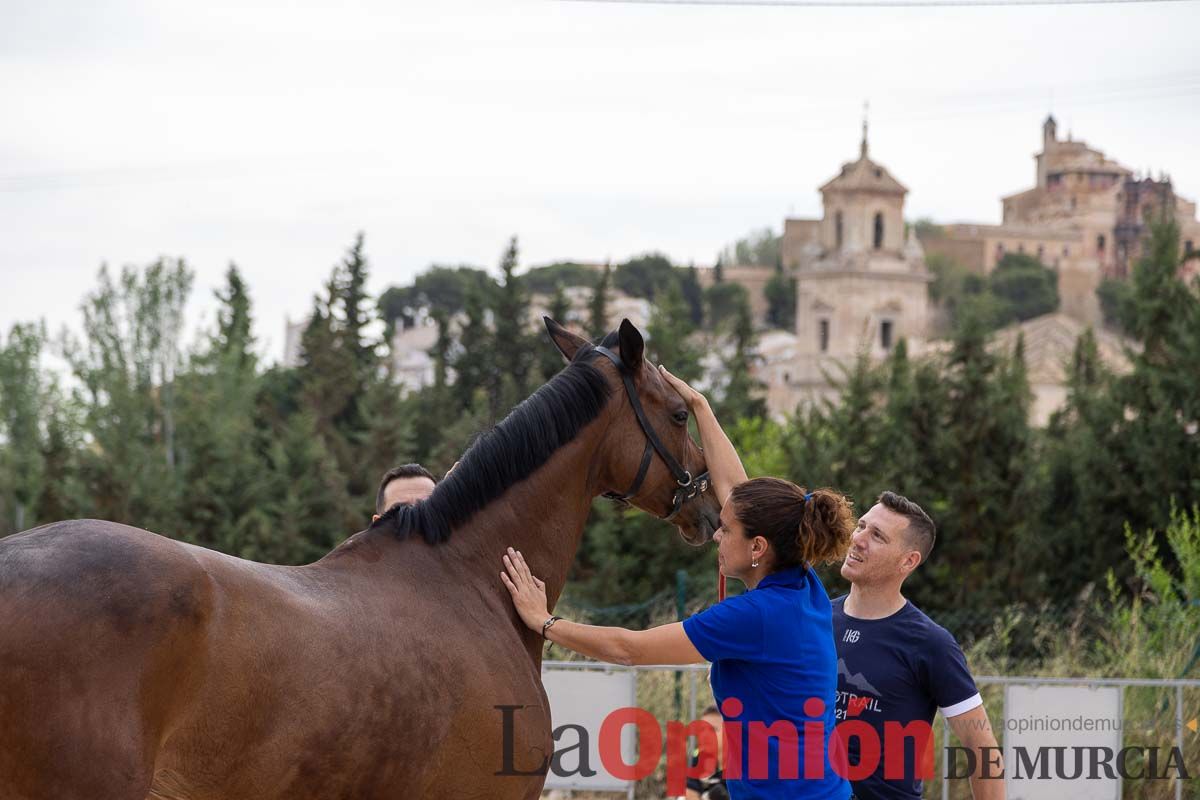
(133, 666)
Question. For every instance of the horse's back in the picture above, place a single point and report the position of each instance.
(100, 626)
(137, 663)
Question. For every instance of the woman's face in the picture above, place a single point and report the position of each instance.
(734, 550)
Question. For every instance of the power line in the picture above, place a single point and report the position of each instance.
(876, 3)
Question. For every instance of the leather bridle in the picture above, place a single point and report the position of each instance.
(689, 487)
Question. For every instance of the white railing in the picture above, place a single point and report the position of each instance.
(693, 673)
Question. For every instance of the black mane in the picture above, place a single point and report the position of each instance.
(508, 453)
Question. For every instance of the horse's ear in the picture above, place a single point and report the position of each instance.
(632, 346)
(567, 343)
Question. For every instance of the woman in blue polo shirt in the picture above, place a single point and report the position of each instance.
(774, 664)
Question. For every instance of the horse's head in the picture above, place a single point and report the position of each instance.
(648, 458)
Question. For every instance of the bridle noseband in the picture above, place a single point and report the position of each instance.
(689, 487)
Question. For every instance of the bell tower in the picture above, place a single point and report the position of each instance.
(861, 281)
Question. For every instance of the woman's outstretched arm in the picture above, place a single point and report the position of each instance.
(724, 466)
(666, 644)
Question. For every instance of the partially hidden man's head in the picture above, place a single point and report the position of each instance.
(890, 541)
(403, 485)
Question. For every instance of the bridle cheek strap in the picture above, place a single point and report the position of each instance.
(643, 468)
(689, 487)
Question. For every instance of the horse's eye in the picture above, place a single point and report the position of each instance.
(680, 416)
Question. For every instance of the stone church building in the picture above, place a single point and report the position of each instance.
(861, 281)
(1085, 217)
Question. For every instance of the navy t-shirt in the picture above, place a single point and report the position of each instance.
(902, 668)
(772, 650)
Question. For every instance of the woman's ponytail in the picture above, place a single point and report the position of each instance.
(804, 528)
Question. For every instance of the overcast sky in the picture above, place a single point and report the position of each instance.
(268, 134)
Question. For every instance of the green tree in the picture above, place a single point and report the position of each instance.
(63, 495)
(310, 511)
(724, 299)
(645, 276)
(853, 425)
(513, 343)
(1116, 297)
(22, 456)
(953, 285)
(353, 306)
(439, 288)
(327, 371)
(391, 433)
(741, 395)
(780, 293)
(234, 339)
(693, 293)
(925, 228)
(220, 442)
(1160, 397)
(1083, 499)
(984, 449)
(1025, 286)
(546, 279)
(912, 418)
(598, 307)
(758, 248)
(669, 332)
(474, 363)
(126, 365)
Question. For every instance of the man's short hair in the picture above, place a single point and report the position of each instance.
(921, 531)
(402, 471)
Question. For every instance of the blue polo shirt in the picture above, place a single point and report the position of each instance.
(772, 651)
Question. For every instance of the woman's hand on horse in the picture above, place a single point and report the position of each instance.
(528, 592)
(689, 395)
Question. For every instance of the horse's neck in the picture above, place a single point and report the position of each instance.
(542, 516)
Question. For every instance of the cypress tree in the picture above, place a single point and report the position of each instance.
(474, 365)
(513, 353)
(741, 395)
(598, 308)
(780, 293)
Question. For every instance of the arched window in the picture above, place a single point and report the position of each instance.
(878, 230)
(837, 228)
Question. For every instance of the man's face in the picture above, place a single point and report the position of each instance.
(879, 548)
(406, 490)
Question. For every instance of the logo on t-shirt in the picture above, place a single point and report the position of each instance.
(851, 636)
(856, 679)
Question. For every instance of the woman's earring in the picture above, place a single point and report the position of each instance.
(754, 563)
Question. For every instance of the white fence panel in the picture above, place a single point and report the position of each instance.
(584, 697)
(1039, 718)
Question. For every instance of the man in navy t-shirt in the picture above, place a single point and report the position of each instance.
(897, 667)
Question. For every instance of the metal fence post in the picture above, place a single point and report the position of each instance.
(945, 757)
(681, 587)
(1179, 735)
(691, 695)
